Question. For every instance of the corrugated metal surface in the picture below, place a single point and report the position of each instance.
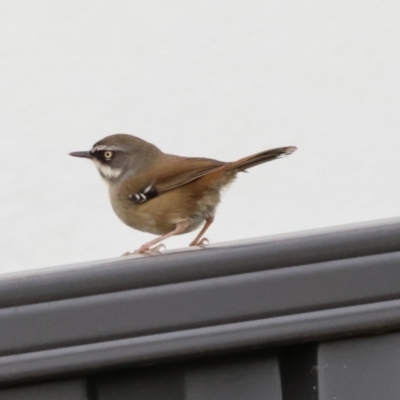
(257, 320)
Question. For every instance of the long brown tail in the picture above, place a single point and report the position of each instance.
(260, 158)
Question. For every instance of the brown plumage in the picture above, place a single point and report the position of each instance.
(166, 194)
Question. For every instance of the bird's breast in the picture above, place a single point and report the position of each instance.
(161, 214)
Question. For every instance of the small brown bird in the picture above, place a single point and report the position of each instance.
(162, 193)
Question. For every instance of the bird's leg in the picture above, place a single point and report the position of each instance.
(146, 248)
(198, 241)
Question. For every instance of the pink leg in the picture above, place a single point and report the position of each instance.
(197, 241)
(146, 248)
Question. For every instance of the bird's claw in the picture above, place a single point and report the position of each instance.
(201, 243)
(145, 250)
(159, 249)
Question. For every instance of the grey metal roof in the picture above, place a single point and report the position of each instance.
(242, 297)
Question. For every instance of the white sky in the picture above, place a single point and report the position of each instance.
(220, 79)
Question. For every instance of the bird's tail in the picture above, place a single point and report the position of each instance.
(260, 158)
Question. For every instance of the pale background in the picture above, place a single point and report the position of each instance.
(221, 79)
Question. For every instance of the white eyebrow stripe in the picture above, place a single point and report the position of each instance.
(101, 147)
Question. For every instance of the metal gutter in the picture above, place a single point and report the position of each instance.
(268, 293)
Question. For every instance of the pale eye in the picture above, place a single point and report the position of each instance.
(108, 155)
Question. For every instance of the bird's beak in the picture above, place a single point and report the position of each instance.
(83, 154)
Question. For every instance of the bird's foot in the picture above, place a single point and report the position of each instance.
(159, 249)
(147, 250)
(201, 243)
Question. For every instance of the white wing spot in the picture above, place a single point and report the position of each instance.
(147, 189)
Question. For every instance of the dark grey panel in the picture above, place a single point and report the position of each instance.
(65, 390)
(151, 383)
(360, 369)
(130, 273)
(200, 303)
(249, 378)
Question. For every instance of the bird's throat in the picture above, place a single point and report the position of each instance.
(107, 172)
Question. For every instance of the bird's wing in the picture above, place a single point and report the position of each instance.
(183, 171)
(168, 173)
